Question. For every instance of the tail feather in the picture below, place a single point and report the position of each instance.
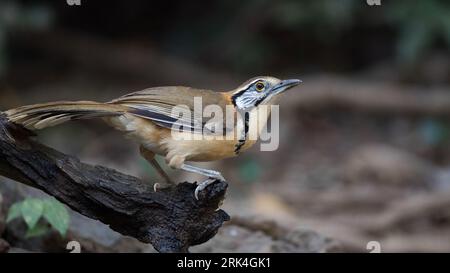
(44, 115)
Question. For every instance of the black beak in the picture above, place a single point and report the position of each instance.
(285, 85)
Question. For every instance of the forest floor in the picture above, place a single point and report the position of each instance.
(359, 160)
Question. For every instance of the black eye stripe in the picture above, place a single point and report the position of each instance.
(254, 84)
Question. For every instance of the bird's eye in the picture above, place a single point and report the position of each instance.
(260, 86)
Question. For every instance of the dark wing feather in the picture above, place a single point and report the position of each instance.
(158, 105)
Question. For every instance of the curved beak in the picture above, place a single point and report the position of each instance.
(285, 85)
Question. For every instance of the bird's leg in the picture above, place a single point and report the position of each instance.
(150, 157)
(211, 174)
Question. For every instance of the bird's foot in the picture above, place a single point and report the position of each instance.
(157, 186)
(205, 184)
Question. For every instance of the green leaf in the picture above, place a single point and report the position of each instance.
(32, 209)
(57, 215)
(38, 230)
(14, 212)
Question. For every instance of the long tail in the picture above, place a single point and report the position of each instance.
(39, 116)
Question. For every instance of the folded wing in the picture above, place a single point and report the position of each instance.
(181, 108)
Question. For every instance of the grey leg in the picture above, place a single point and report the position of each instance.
(161, 172)
(211, 174)
(150, 157)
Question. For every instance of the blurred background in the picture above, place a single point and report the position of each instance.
(364, 152)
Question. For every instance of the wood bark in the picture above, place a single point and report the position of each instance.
(170, 219)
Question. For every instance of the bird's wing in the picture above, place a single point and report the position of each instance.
(182, 107)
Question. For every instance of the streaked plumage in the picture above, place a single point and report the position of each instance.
(148, 117)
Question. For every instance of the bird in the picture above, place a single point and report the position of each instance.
(148, 117)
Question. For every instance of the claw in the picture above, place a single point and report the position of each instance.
(203, 186)
(156, 186)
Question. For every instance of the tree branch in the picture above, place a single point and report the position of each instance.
(170, 219)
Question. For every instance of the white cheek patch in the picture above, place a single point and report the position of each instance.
(246, 101)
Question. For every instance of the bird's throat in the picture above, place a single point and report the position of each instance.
(250, 126)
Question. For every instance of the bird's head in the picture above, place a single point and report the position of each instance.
(260, 90)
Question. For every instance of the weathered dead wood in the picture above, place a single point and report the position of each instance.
(170, 219)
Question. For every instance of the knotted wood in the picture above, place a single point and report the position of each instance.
(169, 219)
